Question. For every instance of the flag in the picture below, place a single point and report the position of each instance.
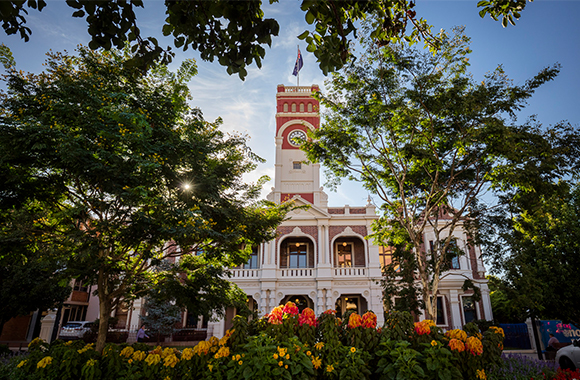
(298, 64)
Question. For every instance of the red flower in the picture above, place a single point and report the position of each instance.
(291, 308)
(307, 317)
(369, 320)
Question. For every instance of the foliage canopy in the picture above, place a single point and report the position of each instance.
(236, 32)
(421, 134)
(130, 174)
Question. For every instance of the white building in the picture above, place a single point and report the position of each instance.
(321, 257)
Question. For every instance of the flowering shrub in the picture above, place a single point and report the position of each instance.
(285, 344)
(518, 367)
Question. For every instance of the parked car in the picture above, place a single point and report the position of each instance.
(569, 357)
(75, 330)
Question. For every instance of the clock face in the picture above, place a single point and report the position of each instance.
(296, 137)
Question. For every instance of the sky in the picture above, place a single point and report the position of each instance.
(547, 33)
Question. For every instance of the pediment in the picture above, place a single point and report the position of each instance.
(313, 212)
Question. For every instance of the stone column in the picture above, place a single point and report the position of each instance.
(455, 309)
(47, 325)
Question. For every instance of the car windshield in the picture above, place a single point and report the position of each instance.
(72, 325)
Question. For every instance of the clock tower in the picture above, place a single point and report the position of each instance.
(297, 113)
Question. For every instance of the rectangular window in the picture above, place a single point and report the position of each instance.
(452, 247)
(469, 310)
(253, 262)
(386, 257)
(344, 254)
(297, 255)
(80, 287)
(297, 165)
(440, 311)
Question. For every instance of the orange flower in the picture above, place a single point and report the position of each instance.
(497, 330)
(474, 346)
(369, 320)
(330, 311)
(456, 345)
(354, 321)
(276, 316)
(456, 334)
(422, 328)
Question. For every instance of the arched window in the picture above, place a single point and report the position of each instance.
(293, 107)
(285, 107)
(301, 107)
(309, 107)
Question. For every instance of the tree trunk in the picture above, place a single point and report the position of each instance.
(104, 314)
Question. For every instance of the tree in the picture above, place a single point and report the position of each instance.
(235, 32)
(427, 139)
(131, 174)
(161, 317)
(538, 252)
(32, 271)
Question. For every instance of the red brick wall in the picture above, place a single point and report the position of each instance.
(336, 210)
(358, 210)
(16, 328)
(77, 296)
(335, 230)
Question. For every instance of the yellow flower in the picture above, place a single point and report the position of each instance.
(187, 354)
(210, 367)
(170, 361)
(238, 357)
(481, 374)
(319, 345)
(240, 362)
(282, 351)
(280, 363)
(127, 352)
(35, 341)
(167, 378)
(68, 343)
(286, 366)
(329, 368)
(23, 363)
(353, 350)
(316, 362)
(433, 343)
(153, 359)
(287, 356)
(308, 353)
(91, 363)
(130, 361)
(44, 362)
(139, 355)
(276, 356)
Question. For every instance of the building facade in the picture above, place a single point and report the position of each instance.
(321, 257)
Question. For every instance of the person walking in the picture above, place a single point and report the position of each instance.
(141, 334)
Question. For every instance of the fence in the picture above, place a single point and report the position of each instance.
(516, 336)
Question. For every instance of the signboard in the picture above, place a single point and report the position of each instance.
(564, 332)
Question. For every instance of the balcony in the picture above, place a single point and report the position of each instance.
(337, 272)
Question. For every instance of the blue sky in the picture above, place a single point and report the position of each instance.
(547, 32)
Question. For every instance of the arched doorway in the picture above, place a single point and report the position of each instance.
(351, 302)
(301, 301)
